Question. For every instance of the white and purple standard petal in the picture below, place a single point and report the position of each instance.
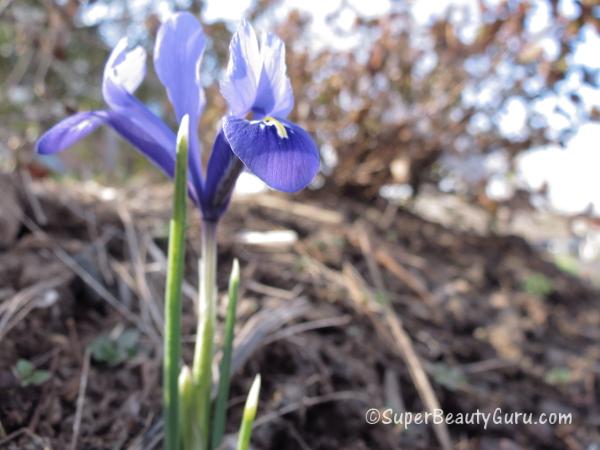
(256, 80)
(278, 152)
(68, 131)
(274, 96)
(240, 84)
(123, 73)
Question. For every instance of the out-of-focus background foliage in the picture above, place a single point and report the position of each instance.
(445, 129)
(397, 93)
(495, 101)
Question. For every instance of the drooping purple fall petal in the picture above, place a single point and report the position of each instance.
(68, 131)
(161, 154)
(279, 152)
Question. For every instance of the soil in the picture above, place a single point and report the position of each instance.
(494, 323)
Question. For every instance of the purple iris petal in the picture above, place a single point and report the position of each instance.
(161, 155)
(274, 83)
(76, 127)
(256, 79)
(221, 175)
(177, 57)
(279, 152)
(68, 131)
(123, 73)
(241, 79)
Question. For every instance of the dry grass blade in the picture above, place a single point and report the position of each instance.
(377, 253)
(149, 438)
(402, 343)
(135, 255)
(304, 210)
(418, 375)
(271, 291)
(15, 309)
(83, 379)
(39, 443)
(328, 322)
(411, 281)
(36, 207)
(88, 279)
(100, 246)
(311, 401)
(255, 332)
(367, 249)
(393, 392)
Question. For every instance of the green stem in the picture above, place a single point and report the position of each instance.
(203, 353)
(224, 370)
(175, 270)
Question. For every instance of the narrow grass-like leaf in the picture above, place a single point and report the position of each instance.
(224, 370)
(249, 415)
(175, 270)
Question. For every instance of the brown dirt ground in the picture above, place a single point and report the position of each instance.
(323, 341)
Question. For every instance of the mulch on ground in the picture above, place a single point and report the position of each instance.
(338, 300)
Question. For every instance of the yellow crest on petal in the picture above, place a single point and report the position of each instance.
(281, 130)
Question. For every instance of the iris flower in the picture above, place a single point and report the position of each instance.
(254, 134)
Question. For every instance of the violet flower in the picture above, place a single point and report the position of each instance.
(279, 152)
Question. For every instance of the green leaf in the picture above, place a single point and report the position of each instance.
(186, 408)
(567, 264)
(248, 416)
(220, 411)
(127, 342)
(559, 375)
(114, 350)
(39, 377)
(538, 284)
(172, 335)
(452, 378)
(25, 371)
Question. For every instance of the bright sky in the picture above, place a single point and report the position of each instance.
(570, 173)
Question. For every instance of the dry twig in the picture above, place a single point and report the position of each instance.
(135, 255)
(83, 379)
(402, 344)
